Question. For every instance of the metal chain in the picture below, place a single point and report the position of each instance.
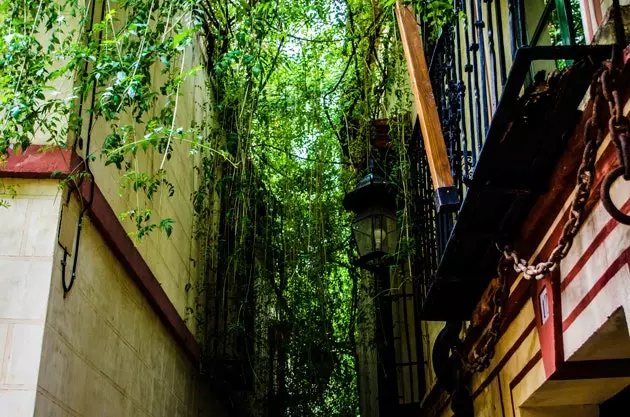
(593, 135)
(619, 127)
(601, 88)
(483, 353)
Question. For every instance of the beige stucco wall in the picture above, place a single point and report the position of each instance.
(430, 331)
(27, 239)
(105, 351)
(102, 350)
(174, 260)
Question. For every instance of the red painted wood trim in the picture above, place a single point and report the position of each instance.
(597, 8)
(554, 348)
(594, 369)
(589, 24)
(37, 162)
(549, 204)
(596, 243)
(523, 372)
(542, 217)
(605, 164)
(552, 341)
(544, 212)
(545, 331)
(495, 371)
(613, 269)
(550, 332)
(106, 222)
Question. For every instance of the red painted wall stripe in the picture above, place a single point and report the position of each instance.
(523, 372)
(597, 8)
(36, 162)
(596, 243)
(495, 371)
(589, 24)
(613, 269)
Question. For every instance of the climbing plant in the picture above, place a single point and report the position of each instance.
(65, 65)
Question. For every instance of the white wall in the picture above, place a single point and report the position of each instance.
(27, 238)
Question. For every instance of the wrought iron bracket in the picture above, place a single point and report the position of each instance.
(446, 199)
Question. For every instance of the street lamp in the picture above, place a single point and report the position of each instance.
(374, 228)
(376, 234)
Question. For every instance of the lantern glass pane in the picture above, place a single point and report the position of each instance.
(376, 235)
(391, 228)
(363, 235)
(380, 234)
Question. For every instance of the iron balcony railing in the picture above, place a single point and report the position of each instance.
(480, 65)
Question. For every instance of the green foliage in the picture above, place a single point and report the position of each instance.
(433, 13)
(60, 71)
(9, 190)
(554, 33)
(298, 87)
(293, 90)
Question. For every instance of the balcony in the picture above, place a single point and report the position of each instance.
(505, 122)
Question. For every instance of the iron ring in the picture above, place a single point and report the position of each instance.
(607, 201)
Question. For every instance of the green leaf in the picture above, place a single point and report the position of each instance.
(182, 37)
(166, 225)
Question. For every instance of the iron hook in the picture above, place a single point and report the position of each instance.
(609, 205)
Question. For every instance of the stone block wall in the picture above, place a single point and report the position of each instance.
(27, 240)
(105, 350)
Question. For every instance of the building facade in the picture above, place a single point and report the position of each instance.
(516, 84)
(94, 322)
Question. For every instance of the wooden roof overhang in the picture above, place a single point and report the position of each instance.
(524, 142)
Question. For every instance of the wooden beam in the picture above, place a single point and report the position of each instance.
(423, 97)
